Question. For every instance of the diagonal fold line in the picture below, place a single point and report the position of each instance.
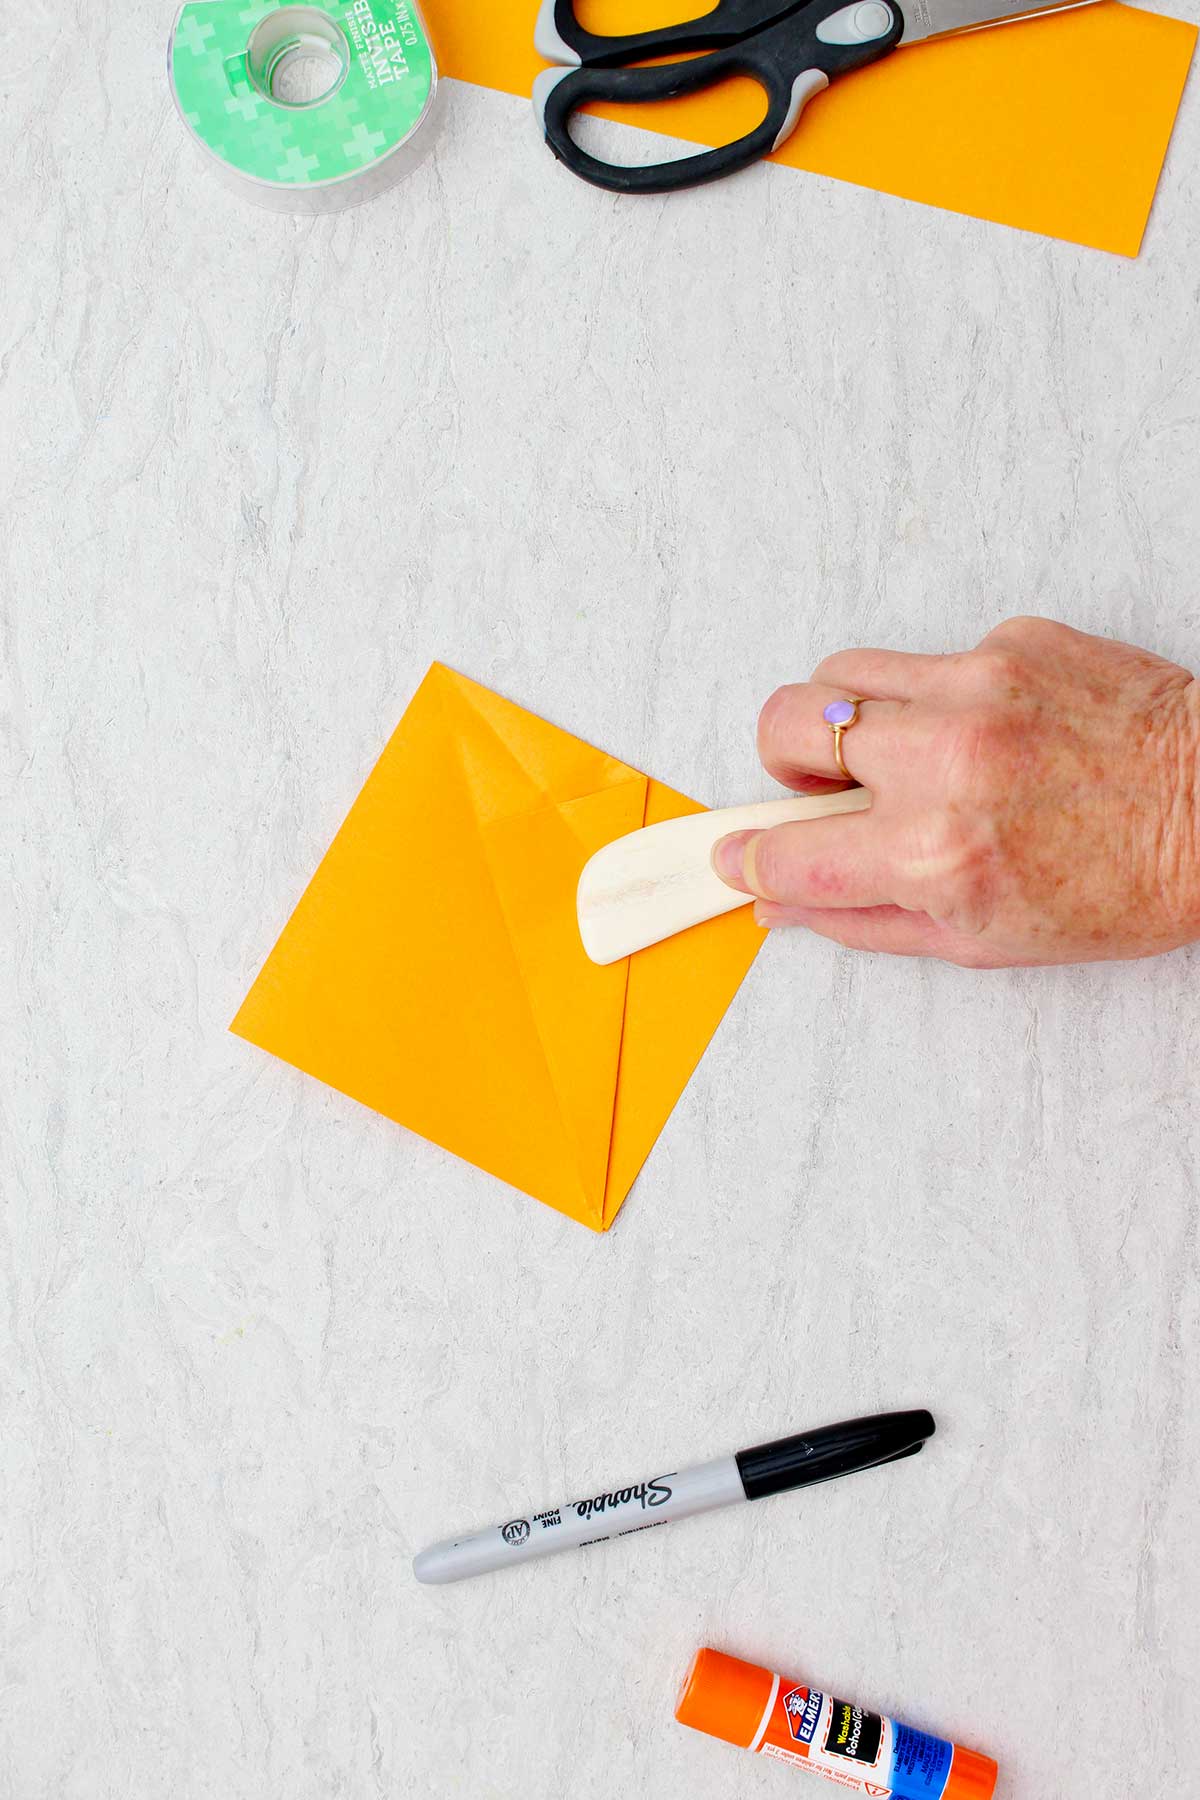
(605, 1212)
(531, 1013)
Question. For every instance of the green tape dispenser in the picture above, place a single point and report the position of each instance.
(306, 108)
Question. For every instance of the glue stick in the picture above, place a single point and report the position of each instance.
(861, 1752)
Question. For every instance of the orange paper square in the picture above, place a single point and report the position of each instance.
(433, 968)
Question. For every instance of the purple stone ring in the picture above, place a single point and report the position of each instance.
(840, 715)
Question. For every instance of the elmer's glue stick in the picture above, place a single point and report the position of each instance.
(862, 1752)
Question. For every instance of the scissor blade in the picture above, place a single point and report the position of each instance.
(933, 18)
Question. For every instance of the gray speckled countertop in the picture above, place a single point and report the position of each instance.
(633, 465)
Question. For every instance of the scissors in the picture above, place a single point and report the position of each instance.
(792, 51)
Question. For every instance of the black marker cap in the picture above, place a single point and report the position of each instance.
(793, 1462)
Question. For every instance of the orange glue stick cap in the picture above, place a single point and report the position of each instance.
(972, 1776)
(725, 1697)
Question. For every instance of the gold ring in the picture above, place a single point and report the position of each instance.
(840, 715)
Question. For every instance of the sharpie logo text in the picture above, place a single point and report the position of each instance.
(646, 1493)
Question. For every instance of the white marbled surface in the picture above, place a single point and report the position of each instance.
(632, 464)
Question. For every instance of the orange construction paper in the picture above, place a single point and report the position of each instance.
(433, 968)
(1056, 124)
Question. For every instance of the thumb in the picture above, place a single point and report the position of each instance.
(843, 861)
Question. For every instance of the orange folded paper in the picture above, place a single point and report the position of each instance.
(1056, 124)
(433, 969)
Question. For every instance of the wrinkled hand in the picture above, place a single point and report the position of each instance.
(1035, 800)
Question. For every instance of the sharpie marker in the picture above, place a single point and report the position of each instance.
(776, 1468)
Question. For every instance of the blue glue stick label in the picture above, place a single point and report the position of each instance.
(920, 1764)
(856, 1749)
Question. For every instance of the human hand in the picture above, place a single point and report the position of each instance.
(1035, 800)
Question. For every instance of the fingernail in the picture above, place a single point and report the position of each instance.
(729, 858)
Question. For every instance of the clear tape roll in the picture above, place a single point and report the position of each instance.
(306, 108)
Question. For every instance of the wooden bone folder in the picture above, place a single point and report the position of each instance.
(660, 880)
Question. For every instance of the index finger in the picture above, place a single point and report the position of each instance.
(796, 744)
(890, 674)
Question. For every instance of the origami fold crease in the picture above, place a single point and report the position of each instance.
(433, 968)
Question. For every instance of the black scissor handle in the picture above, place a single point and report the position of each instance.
(560, 38)
(791, 61)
